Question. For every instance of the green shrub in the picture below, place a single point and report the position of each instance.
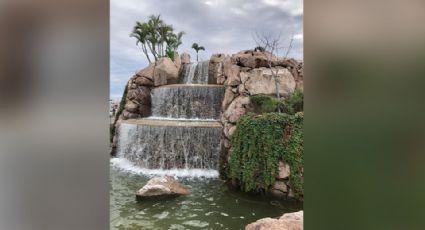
(265, 104)
(294, 102)
(170, 53)
(259, 48)
(259, 143)
(118, 113)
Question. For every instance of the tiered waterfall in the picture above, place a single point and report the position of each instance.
(183, 133)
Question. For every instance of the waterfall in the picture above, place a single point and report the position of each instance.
(196, 73)
(182, 137)
(171, 144)
(187, 101)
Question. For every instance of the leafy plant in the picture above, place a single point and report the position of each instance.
(259, 143)
(259, 48)
(156, 38)
(265, 104)
(294, 102)
(117, 115)
(197, 47)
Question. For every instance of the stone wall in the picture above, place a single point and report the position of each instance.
(248, 73)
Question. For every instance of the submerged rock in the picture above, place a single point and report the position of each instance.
(162, 186)
(289, 221)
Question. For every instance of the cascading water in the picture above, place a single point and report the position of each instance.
(196, 73)
(183, 135)
(187, 101)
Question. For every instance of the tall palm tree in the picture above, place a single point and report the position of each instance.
(140, 32)
(196, 47)
(157, 38)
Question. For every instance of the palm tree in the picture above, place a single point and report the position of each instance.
(157, 38)
(196, 47)
(140, 32)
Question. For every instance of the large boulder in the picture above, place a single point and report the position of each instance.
(289, 221)
(215, 68)
(166, 72)
(228, 97)
(164, 186)
(142, 95)
(253, 59)
(131, 107)
(284, 170)
(261, 81)
(147, 72)
(237, 108)
(232, 73)
(177, 60)
(185, 58)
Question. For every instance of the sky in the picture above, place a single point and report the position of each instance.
(221, 26)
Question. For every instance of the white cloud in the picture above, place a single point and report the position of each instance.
(294, 7)
(221, 26)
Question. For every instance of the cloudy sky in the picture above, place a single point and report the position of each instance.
(221, 26)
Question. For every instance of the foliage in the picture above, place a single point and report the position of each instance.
(117, 115)
(156, 38)
(197, 47)
(294, 102)
(265, 104)
(170, 53)
(259, 48)
(259, 143)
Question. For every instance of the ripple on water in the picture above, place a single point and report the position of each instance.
(196, 223)
(210, 206)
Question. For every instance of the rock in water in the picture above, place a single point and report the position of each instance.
(162, 186)
(289, 221)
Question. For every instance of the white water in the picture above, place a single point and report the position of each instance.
(188, 142)
(126, 165)
(196, 73)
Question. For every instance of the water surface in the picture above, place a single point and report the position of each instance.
(210, 206)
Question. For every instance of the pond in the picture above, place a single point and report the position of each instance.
(211, 205)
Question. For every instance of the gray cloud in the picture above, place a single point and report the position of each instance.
(220, 26)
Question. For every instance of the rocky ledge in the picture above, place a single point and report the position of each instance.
(289, 221)
(164, 186)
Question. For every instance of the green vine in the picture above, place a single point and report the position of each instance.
(117, 115)
(259, 143)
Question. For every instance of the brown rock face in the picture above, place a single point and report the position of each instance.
(166, 72)
(215, 69)
(261, 81)
(185, 58)
(253, 59)
(228, 97)
(131, 107)
(284, 170)
(289, 221)
(281, 186)
(232, 73)
(147, 72)
(142, 95)
(144, 81)
(177, 61)
(129, 115)
(162, 186)
(237, 108)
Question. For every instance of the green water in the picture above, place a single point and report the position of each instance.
(210, 206)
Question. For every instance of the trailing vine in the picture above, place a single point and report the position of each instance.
(117, 115)
(259, 143)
